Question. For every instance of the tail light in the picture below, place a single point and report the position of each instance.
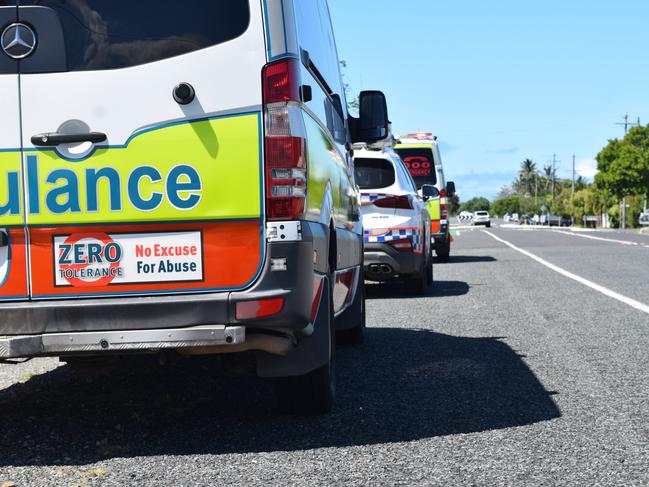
(284, 142)
(402, 245)
(398, 202)
(443, 205)
(260, 308)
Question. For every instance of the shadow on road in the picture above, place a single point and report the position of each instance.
(401, 385)
(467, 259)
(397, 290)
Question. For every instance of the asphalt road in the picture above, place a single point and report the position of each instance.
(506, 373)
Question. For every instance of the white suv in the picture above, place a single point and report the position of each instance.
(396, 222)
(482, 218)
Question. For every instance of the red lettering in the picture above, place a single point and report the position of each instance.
(139, 251)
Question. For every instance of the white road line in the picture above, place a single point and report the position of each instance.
(592, 237)
(601, 289)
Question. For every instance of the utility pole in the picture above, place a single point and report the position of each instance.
(554, 173)
(573, 175)
(536, 189)
(626, 124)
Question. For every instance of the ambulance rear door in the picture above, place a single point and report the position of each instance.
(141, 135)
(13, 263)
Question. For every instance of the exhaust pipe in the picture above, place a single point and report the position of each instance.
(275, 345)
(375, 269)
(386, 269)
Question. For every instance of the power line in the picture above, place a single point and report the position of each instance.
(626, 124)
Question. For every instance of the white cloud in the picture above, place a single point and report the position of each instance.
(586, 168)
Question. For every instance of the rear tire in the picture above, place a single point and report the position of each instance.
(314, 392)
(429, 271)
(444, 252)
(419, 282)
(488, 225)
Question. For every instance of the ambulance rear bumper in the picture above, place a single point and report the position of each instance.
(32, 325)
(121, 341)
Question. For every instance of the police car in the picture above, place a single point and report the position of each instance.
(176, 177)
(396, 222)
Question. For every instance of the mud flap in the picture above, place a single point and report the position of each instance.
(311, 352)
(352, 316)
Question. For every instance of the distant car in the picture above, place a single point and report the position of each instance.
(482, 218)
(514, 218)
(396, 222)
(644, 218)
(556, 220)
(565, 221)
(507, 217)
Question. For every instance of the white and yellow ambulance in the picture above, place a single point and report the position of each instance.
(178, 176)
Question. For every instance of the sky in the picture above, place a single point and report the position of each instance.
(501, 81)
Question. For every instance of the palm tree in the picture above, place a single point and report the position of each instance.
(549, 177)
(580, 183)
(527, 176)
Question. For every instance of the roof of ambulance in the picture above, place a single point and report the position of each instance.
(374, 153)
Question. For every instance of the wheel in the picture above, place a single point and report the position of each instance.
(488, 225)
(355, 335)
(418, 283)
(312, 393)
(444, 252)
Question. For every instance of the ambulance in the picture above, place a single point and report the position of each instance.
(420, 154)
(178, 178)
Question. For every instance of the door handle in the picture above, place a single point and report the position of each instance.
(54, 139)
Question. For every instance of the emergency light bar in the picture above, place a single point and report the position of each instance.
(418, 136)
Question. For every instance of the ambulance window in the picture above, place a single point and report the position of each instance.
(317, 38)
(420, 163)
(373, 173)
(113, 34)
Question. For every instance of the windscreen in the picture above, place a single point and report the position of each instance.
(103, 34)
(420, 163)
(373, 173)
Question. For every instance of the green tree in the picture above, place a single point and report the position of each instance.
(453, 204)
(508, 204)
(478, 203)
(549, 177)
(624, 164)
(527, 177)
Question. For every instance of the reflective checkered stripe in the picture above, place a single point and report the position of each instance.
(390, 234)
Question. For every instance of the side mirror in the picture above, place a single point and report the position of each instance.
(428, 191)
(450, 188)
(372, 124)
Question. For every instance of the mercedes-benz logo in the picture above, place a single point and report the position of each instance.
(18, 41)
